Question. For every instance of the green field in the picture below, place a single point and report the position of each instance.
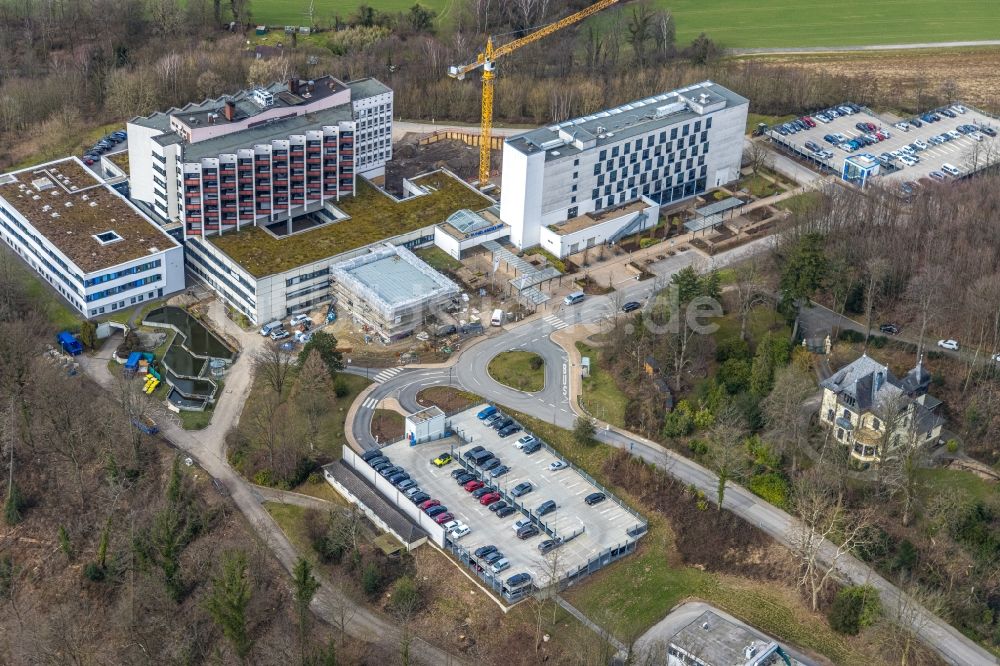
(742, 23)
(294, 12)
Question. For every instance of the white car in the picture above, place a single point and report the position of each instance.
(976, 135)
(902, 126)
(460, 531)
(954, 134)
(518, 524)
(558, 464)
(921, 144)
(298, 319)
(948, 344)
(958, 108)
(524, 441)
(451, 524)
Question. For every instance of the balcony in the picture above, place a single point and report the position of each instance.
(192, 181)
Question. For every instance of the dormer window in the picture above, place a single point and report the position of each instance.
(876, 424)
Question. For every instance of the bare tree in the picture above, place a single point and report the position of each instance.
(785, 413)
(826, 530)
(925, 297)
(750, 291)
(314, 394)
(274, 365)
(908, 613)
(725, 438)
(876, 271)
(756, 156)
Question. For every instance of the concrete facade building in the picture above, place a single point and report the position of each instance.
(870, 409)
(261, 156)
(664, 148)
(86, 240)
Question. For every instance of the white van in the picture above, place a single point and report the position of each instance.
(951, 169)
(497, 318)
(270, 328)
(575, 297)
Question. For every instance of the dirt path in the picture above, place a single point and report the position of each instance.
(872, 47)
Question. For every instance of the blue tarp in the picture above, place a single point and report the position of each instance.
(69, 344)
(133, 361)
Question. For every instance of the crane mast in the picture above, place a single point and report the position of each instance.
(486, 61)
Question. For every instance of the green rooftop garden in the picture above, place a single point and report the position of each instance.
(374, 217)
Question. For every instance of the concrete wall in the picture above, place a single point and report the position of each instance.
(394, 496)
(522, 183)
(140, 161)
(598, 234)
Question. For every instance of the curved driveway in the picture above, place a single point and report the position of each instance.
(468, 371)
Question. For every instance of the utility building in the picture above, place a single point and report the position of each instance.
(605, 175)
(86, 240)
(391, 290)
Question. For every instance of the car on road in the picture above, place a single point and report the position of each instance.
(557, 465)
(547, 545)
(442, 460)
(473, 485)
(522, 488)
(594, 498)
(948, 344)
(486, 412)
(631, 306)
(527, 532)
(483, 551)
(499, 471)
(459, 532)
(489, 498)
(506, 511)
(889, 329)
(527, 439)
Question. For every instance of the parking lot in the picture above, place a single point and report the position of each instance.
(599, 532)
(964, 152)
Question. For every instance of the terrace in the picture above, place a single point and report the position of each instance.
(374, 216)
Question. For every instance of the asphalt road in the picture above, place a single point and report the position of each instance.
(552, 404)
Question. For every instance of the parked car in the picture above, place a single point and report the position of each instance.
(280, 334)
(397, 477)
(489, 498)
(951, 169)
(527, 439)
(548, 545)
(546, 507)
(499, 471)
(500, 565)
(495, 556)
(371, 453)
(948, 344)
(490, 464)
(483, 551)
(390, 470)
(428, 504)
(500, 424)
(442, 460)
(420, 497)
(531, 448)
(464, 478)
(459, 532)
(938, 176)
(522, 488)
(473, 485)
(995, 358)
(509, 430)
(518, 580)
(482, 490)
(889, 329)
(298, 320)
(519, 523)
(437, 510)
(594, 498)
(444, 518)
(527, 532)
(486, 412)
(473, 328)
(455, 473)
(557, 464)
(631, 306)
(412, 492)
(496, 506)
(473, 451)
(506, 511)
(915, 122)
(445, 329)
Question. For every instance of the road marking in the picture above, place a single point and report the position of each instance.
(387, 374)
(370, 403)
(555, 322)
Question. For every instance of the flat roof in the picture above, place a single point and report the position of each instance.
(278, 129)
(716, 640)
(374, 216)
(426, 414)
(69, 206)
(391, 277)
(358, 486)
(636, 117)
(718, 207)
(591, 219)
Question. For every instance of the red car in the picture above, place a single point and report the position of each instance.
(489, 498)
(429, 503)
(444, 518)
(808, 121)
(473, 485)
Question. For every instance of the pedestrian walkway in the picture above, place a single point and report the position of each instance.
(554, 321)
(387, 374)
(370, 403)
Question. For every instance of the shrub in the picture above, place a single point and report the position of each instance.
(854, 609)
(584, 431)
(952, 446)
(93, 572)
(703, 419)
(648, 242)
(405, 595)
(771, 487)
(340, 388)
(371, 579)
(698, 447)
(263, 477)
(679, 422)
(878, 341)
(733, 348)
(847, 335)
(536, 362)
(734, 374)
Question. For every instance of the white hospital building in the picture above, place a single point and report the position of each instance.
(595, 179)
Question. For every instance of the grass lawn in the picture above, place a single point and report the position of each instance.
(438, 259)
(741, 24)
(935, 481)
(449, 399)
(62, 317)
(291, 520)
(801, 202)
(73, 143)
(387, 425)
(195, 420)
(759, 186)
(753, 119)
(321, 490)
(601, 395)
(762, 319)
(374, 216)
(515, 369)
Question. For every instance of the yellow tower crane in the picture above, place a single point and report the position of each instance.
(486, 61)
